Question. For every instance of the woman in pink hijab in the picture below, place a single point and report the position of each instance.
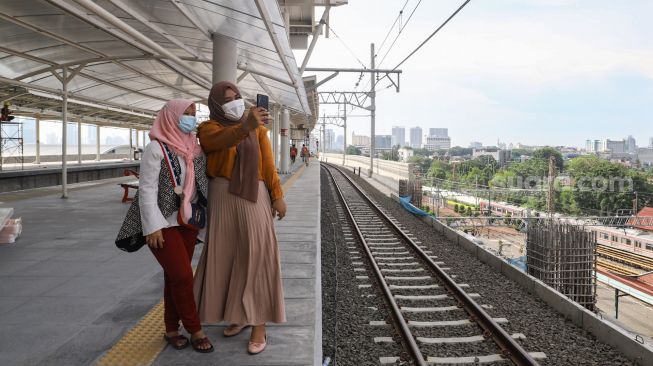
(172, 200)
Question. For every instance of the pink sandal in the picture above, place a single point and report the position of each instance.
(254, 348)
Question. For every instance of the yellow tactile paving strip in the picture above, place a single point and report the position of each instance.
(142, 344)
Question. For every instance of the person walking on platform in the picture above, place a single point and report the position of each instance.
(293, 154)
(305, 154)
(238, 278)
(169, 212)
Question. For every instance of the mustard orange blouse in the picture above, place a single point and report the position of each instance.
(219, 143)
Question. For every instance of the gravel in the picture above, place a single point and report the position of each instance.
(545, 329)
(349, 325)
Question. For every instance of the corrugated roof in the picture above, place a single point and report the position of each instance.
(164, 50)
(645, 212)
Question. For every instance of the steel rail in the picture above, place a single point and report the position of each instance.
(410, 341)
(632, 259)
(510, 348)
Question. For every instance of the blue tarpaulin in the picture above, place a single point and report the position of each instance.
(405, 203)
(519, 262)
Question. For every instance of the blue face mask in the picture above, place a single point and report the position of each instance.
(187, 123)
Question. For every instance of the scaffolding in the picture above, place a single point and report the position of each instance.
(563, 256)
(412, 188)
(11, 144)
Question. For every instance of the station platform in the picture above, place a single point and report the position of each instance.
(68, 296)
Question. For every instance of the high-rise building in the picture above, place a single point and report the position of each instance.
(439, 132)
(437, 139)
(383, 142)
(631, 145)
(340, 140)
(437, 143)
(330, 137)
(645, 156)
(360, 140)
(29, 130)
(595, 146)
(416, 137)
(615, 146)
(91, 134)
(398, 136)
(650, 142)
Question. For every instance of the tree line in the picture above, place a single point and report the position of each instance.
(585, 185)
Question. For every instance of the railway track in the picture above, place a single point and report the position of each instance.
(631, 259)
(616, 268)
(418, 290)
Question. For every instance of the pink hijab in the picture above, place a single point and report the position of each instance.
(166, 129)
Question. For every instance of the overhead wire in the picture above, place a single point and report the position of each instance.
(346, 46)
(401, 29)
(393, 26)
(360, 78)
(433, 34)
(399, 33)
(382, 44)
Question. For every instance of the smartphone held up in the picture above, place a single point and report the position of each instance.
(263, 101)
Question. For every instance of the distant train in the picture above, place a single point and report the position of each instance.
(627, 239)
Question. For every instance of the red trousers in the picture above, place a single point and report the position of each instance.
(178, 298)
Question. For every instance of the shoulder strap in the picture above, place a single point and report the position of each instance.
(167, 155)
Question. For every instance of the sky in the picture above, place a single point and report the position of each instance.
(539, 72)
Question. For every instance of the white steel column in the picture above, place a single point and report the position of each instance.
(131, 144)
(275, 140)
(97, 142)
(79, 143)
(38, 140)
(64, 137)
(372, 112)
(137, 139)
(285, 148)
(225, 59)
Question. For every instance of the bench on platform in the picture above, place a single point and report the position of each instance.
(127, 185)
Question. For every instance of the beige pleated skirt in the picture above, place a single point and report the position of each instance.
(238, 278)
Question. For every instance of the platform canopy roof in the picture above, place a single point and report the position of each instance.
(131, 56)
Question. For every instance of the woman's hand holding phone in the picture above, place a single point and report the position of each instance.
(256, 117)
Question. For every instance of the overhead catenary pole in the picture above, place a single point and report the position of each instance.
(372, 110)
(38, 140)
(79, 143)
(64, 139)
(131, 144)
(97, 142)
(344, 143)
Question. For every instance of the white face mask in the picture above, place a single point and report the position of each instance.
(234, 110)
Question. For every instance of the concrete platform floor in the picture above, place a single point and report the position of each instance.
(67, 295)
